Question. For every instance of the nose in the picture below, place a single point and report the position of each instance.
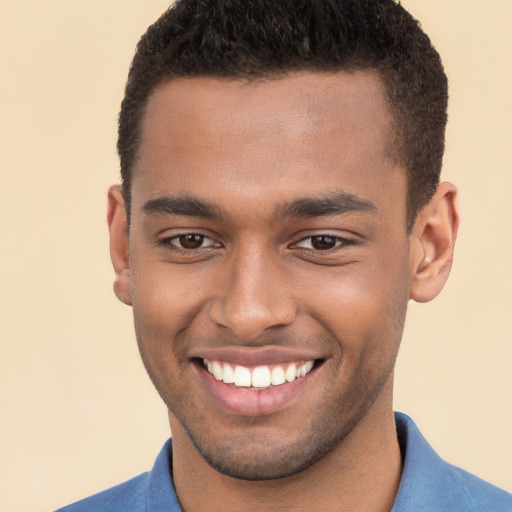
(254, 296)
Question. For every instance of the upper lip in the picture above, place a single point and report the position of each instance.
(255, 356)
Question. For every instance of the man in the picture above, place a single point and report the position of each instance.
(280, 206)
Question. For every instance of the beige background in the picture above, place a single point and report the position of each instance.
(77, 412)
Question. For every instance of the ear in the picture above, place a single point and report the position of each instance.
(432, 244)
(119, 249)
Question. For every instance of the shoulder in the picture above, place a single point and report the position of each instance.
(429, 484)
(130, 495)
(153, 491)
(476, 492)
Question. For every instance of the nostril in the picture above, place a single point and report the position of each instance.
(249, 319)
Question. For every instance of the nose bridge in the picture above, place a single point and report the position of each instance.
(254, 294)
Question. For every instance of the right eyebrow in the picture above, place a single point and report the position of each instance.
(332, 203)
(183, 206)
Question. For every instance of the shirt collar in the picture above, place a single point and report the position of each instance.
(428, 484)
(161, 496)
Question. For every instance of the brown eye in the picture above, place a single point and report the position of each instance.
(188, 242)
(191, 241)
(323, 242)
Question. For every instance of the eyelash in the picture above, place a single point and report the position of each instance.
(338, 240)
(168, 243)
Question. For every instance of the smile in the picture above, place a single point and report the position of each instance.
(259, 377)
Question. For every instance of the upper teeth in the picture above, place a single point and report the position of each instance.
(258, 377)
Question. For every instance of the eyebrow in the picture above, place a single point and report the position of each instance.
(334, 203)
(185, 206)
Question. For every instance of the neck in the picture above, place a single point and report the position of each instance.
(361, 474)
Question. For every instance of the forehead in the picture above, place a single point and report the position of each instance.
(309, 130)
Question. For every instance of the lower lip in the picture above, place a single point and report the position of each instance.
(248, 402)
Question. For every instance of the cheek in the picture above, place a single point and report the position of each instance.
(363, 306)
(162, 312)
(164, 305)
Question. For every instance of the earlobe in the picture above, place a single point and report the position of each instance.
(119, 248)
(432, 244)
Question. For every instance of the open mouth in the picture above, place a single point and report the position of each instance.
(258, 377)
(254, 383)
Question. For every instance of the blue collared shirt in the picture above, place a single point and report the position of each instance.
(428, 484)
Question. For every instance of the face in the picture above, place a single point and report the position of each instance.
(269, 263)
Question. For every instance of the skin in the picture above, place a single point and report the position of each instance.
(263, 274)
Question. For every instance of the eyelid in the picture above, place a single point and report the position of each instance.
(168, 242)
(340, 241)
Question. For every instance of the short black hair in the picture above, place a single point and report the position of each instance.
(269, 38)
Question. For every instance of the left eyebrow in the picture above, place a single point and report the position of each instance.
(183, 205)
(333, 203)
